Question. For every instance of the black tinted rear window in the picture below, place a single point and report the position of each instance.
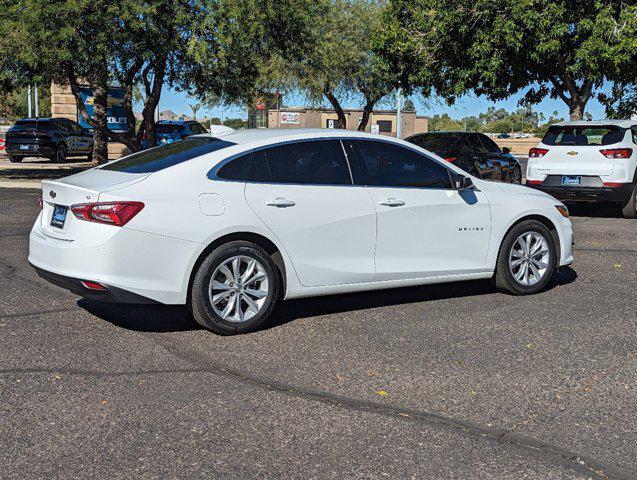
(438, 143)
(22, 125)
(158, 158)
(169, 128)
(584, 135)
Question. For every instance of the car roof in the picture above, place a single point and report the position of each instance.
(176, 122)
(272, 135)
(41, 119)
(593, 123)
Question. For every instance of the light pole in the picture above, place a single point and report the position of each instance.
(399, 113)
(29, 100)
(37, 101)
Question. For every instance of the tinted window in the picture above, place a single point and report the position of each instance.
(395, 166)
(169, 128)
(489, 145)
(158, 158)
(583, 135)
(634, 130)
(440, 144)
(475, 144)
(22, 125)
(235, 169)
(318, 162)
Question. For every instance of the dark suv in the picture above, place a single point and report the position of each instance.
(53, 138)
(473, 152)
(172, 131)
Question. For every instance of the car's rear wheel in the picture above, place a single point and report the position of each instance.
(527, 259)
(235, 289)
(13, 159)
(60, 153)
(630, 209)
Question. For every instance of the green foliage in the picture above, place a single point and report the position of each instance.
(14, 105)
(236, 123)
(563, 49)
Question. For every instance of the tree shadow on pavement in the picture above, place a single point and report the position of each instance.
(595, 210)
(174, 318)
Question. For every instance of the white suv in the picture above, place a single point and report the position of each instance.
(588, 161)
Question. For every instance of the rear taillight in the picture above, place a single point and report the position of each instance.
(451, 159)
(116, 213)
(617, 152)
(538, 152)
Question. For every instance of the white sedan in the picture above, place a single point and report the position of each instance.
(229, 226)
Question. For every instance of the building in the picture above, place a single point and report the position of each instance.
(383, 122)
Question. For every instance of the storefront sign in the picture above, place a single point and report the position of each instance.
(291, 117)
(116, 116)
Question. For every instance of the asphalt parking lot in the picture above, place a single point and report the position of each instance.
(450, 381)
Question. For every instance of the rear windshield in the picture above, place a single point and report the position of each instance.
(22, 125)
(438, 144)
(169, 128)
(584, 135)
(158, 158)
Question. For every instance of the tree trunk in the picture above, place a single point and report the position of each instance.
(100, 108)
(367, 111)
(153, 94)
(576, 109)
(341, 122)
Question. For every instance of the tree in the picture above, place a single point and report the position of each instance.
(194, 107)
(562, 49)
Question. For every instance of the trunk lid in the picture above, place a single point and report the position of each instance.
(574, 160)
(84, 187)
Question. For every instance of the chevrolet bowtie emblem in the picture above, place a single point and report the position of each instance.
(571, 153)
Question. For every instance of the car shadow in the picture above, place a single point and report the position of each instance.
(594, 210)
(174, 318)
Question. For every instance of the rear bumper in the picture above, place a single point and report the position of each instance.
(586, 193)
(35, 150)
(111, 294)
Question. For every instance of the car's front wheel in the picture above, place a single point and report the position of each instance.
(527, 259)
(235, 288)
(13, 159)
(60, 153)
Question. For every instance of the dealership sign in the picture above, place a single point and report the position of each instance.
(290, 117)
(116, 116)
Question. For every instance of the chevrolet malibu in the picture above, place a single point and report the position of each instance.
(230, 226)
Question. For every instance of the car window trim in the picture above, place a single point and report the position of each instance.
(212, 173)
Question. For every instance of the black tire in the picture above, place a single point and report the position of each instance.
(200, 301)
(630, 209)
(60, 153)
(13, 159)
(516, 176)
(504, 278)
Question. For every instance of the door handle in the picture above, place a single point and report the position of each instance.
(392, 202)
(280, 202)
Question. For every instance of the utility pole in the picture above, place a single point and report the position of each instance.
(29, 100)
(465, 119)
(399, 113)
(37, 102)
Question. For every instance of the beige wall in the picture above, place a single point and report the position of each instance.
(311, 118)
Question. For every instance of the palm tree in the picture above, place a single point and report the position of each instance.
(195, 108)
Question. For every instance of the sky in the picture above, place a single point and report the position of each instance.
(179, 102)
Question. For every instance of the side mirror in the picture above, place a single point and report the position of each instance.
(463, 183)
(506, 150)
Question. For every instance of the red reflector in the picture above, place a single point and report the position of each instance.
(614, 184)
(41, 201)
(537, 152)
(92, 285)
(451, 159)
(617, 152)
(533, 182)
(116, 213)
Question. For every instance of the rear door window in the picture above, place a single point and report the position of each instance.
(440, 144)
(159, 158)
(581, 136)
(392, 165)
(319, 162)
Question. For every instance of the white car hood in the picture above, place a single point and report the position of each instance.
(510, 188)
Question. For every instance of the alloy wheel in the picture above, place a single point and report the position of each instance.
(238, 288)
(529, 258)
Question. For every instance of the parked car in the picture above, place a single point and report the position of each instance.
(503, 135)
(2, 144)
(232, 225)
(169, 131)
(53, 138)
(473, 152)
(592, 161)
